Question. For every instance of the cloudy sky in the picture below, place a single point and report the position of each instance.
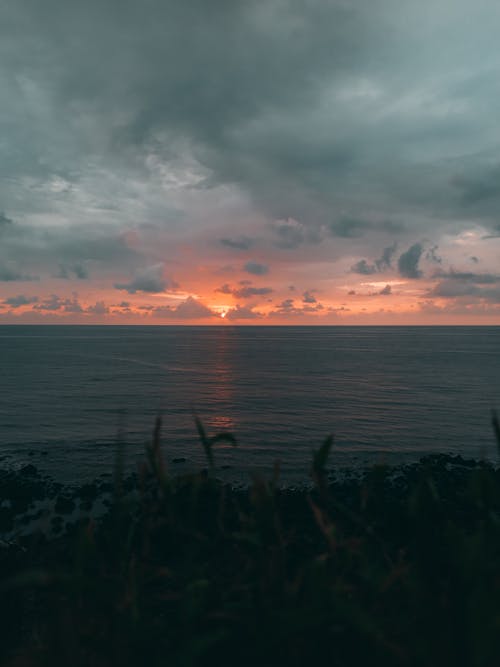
(259, 162)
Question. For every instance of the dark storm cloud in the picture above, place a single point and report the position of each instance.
(150, 279)
(9, 273)
(256, 269)
(250, 85)
(409, 260)
(317, 111)
(475, 188)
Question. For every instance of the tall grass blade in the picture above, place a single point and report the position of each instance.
(496, 428)
(205, 441)
(320, 459)
(209, 442)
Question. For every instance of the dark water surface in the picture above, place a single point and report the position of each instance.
(386, 393)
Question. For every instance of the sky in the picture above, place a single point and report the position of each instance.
(257, 162)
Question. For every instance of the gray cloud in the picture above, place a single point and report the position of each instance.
(240, 243)
(4, 220)
(385, 261)
(150, 279)
(472, 287)
(349, 228)
(467, 276)
(57, 303)
(477, 187)
(353, 228)
(248, 292)
(409, 260)
(42, 246)
(289, 235)
(242, 313)
(432, 256)
(382, 264)
(20, 300)
(362, 267)
(225, 289)
(79, 271)
(452, 289)
(99, 308)
(190, 309)
(307, 297)
(256, 269)
(495, 228)
(307, 99)
(288, 307)
(292, 234)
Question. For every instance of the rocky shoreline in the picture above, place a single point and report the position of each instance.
(377, 567)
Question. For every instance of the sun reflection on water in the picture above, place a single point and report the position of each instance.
(223, 383)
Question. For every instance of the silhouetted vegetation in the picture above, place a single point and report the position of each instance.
(400, 566)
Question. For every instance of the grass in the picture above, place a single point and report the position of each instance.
(398, 567)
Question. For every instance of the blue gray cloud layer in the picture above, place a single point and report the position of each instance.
(337, 120)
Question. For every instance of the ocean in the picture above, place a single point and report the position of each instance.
(69, 394)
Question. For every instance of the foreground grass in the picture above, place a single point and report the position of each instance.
(399, 567)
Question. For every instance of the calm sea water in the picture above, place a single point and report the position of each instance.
(387, 394)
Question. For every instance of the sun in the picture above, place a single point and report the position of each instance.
(223, 314)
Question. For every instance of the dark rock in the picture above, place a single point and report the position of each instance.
(88, 492)
(64, 505)
(30, 471)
